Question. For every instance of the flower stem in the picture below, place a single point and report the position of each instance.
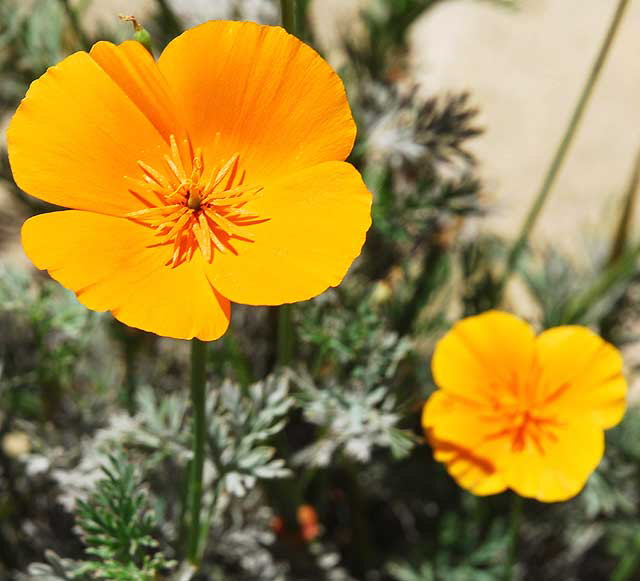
(170, 19)
(514, 537)
(289, 16)
(198, 381)
(285, 335)
(622, 231)
(622, 269)
(561, 152)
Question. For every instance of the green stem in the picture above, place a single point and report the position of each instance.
(621, 269)
(198, 382)
(514, 537)
(622, 231)
(285, 335)
(561, 152)
(170, 19)
(83, 39)
(289, 16)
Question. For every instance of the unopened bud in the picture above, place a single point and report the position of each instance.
(140, 33)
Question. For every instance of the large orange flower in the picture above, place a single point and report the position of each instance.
(213, 175)
(519, 411)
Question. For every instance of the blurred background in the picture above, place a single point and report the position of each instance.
(318, 468)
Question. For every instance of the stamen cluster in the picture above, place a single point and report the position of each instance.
(195, 209)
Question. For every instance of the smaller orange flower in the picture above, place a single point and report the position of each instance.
(519, 411)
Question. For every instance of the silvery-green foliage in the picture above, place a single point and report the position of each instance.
(357, 339)
(353, 420)
(31, 39)
(245, 421)
(329, 562)
(53, 310)
(242, 533)
(75, 482)
(161, 424)
(56, 569)
(47, 338)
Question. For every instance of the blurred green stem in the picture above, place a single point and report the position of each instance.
(621, 269)
(239, 361)
(198, 382)
(514, 537)
(561, 152)
(75, 24)
(289, 16)
(622, 231)
(285, 335)
(169, 17)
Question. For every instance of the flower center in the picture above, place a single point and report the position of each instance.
(195, 209)
(527, 424)
(521, 416)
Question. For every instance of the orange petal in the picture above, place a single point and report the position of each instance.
(109, 263)
(562, 469)
(135, 71)
(484, 463)
(462, 440)
(259, 92)
(75, 137)
(313, 226)
(484, 356)
(475, 474)
(462, 422)
(581, 375)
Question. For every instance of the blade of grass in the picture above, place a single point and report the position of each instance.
(622, 269)
(622, 230)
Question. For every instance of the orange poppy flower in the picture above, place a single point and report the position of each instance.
(215, 174)
(519, 411)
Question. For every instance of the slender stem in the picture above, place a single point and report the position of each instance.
(289, 16)
(169, 17)
(198, 381)
(83, 39)
(285, 335)
(561, 152)
(514, 537)
(623, 268)
(622, 231)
